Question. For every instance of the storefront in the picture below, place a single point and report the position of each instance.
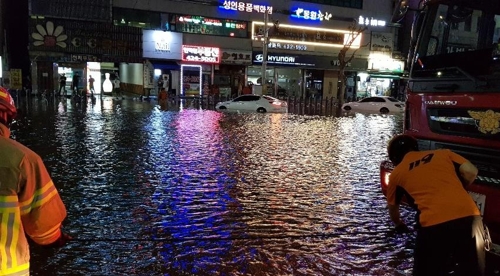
(383, 76)
(302, 60)
(59, 46)
(230, 75)
(224, 74)
(197, 69)
(163, 51)
(300, 75)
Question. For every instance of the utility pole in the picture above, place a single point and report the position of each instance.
(264, 52)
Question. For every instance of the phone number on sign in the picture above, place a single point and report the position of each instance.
(202, 59)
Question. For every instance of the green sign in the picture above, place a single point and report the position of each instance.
(210, 26)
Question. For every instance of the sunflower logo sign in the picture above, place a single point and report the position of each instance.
(49, 36)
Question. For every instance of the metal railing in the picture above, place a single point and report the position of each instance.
(296, 105)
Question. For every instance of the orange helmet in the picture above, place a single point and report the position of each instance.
(7, 104)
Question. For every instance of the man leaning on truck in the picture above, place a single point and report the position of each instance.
(451, 234)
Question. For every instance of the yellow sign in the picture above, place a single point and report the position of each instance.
(305, 35)
(489, 121)
(16, 79)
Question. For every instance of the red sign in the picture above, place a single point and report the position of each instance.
(200, 54)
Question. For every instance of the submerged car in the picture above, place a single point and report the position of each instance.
(382, 104)
(254, 103)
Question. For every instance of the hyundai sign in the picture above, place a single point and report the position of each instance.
(284, 59)
(323, 62)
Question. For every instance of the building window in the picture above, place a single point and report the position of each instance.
(72, 9)
(136, 18)
(355, 4)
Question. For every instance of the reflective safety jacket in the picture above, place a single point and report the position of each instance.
(29, 204)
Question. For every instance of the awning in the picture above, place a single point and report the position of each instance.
(385, 76)
(165, 65)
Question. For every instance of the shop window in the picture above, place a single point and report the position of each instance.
(136, 18)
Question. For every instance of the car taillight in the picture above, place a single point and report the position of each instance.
(386, 168)
(277, 103)
(385, 178)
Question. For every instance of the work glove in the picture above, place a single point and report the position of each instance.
(61, 241)
(401, 228)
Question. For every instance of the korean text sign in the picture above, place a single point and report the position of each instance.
(200, 54)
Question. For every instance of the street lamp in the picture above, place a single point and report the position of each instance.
(264, 52)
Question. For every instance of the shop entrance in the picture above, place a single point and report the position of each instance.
(281, 81)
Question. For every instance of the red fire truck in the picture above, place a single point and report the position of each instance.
(453, 92)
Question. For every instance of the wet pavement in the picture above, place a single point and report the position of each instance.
(197, 192)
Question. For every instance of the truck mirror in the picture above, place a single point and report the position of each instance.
(400, 11)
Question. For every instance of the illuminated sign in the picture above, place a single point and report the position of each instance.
(284, 59)
(304, 35)
(371, 22)
(287, 46)
(311, 14)
(191, 76)
(200, 54)
(246, 7)
(161, 45)
(210, 26)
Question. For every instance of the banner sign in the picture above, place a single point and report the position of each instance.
(236, 57)
(84, 39)
(200, 54)
(382, 42)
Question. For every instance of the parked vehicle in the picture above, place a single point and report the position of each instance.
(254, 103)
(453, 104)
(379, 104)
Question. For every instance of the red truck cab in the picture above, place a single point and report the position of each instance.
(453, 93)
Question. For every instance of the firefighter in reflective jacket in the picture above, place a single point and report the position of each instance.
(29, 202)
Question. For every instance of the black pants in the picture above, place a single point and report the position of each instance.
(457, 245)
(62, 87)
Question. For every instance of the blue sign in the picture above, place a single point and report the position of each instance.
(313, 15)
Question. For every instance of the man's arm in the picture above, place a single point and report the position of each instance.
(394, 214)
(468, 173)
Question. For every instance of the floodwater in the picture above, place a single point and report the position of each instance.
(199, 192)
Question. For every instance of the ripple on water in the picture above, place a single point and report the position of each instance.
(206, 193)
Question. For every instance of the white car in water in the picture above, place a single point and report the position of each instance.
(254, 103)
(379, 104)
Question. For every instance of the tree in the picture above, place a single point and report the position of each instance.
(355, 30)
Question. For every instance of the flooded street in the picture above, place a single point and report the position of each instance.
(199, 192)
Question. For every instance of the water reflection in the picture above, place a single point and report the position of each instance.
(194, 192)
